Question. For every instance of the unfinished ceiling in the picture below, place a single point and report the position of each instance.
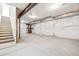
(20, 6)
(46, 9)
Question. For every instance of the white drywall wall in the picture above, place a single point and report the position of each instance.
(13, 20)
(45, 28)
(36, 28)
(0, 18)
(65, 27)
(68, 27)
(22, 28)
(0, 11)
(0, 8)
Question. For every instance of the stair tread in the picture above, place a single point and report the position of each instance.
(5, 32)
(4, 26)
(6, 41)
(6, 37)
(5, 29)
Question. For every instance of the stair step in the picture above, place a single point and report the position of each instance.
(4, 26)
(6, 37)
(2, 35)
(5, 32)
(4, 29)
(6, 41)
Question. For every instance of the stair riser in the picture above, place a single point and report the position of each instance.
(5, 35)
(6, 38)
(5, 32)
(1, 34)
(6, 41)
(5, 28)
(5, 25)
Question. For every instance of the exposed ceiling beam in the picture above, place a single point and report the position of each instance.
(27, 8)
(64, 15)
(40, 20)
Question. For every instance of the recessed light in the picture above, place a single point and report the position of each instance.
(55, 6)
(23, 21)
(32, 16)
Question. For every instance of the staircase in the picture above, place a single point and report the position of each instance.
(6, 35)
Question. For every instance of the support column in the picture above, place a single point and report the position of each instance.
(29, 28)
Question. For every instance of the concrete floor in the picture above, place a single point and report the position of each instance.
(38, 45)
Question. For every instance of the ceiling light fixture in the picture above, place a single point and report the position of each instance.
(56, 6)
(32, 16)
(23, 21)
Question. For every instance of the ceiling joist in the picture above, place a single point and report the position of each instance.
(27, 8)
(65, 15)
